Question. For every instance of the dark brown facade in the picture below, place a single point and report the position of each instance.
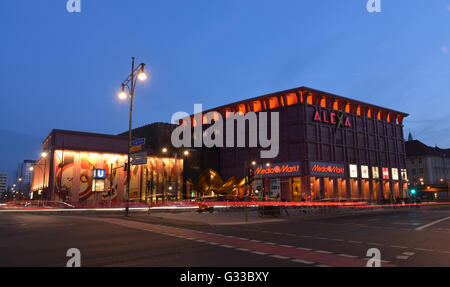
(325, 133)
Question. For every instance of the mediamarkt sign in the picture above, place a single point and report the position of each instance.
(278, 170)
(338, 118)
(326, 169)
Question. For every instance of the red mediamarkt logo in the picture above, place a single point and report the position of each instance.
(330, 169)
(285, 168)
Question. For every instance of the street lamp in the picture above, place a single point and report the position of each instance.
(185, 153)
(130, 83)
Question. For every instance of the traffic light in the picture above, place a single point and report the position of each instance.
(250, 175)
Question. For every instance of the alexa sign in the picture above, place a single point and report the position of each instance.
(338, 119)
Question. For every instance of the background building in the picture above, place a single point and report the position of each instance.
(24, 177)
(3, 183)
(429, 169)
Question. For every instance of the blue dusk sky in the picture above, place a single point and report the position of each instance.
(63, 70)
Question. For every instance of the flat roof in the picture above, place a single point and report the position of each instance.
(314, 91)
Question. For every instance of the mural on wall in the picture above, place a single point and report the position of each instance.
(64, 167)
(73, 177)
(114, 165)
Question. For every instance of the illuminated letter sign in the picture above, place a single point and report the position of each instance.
(279, 170)
(353, 171)
(325, 169)
(338, 119)
(385, 173)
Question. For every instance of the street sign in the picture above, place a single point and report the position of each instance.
(139, 161)
(138, 142)
(136, 148)
(99, 173)
(139, 155)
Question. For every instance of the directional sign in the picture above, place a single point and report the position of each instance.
(137, 148)
(138, 142)
(139, 155)
(139, 161)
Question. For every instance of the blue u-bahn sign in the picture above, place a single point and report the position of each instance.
(99, 173)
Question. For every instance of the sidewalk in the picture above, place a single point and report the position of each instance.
(215, 218)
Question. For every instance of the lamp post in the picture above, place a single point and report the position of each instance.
(137, 73)
(185, 153)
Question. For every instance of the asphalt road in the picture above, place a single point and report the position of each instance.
(403, 237)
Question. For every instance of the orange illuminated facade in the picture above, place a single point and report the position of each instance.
(67, 173)
(348, 149)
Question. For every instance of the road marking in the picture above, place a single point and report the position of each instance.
(306, 236)
(259, 252)
(322, 265)
(424, 249)
(303, 248)
(321, 238)
(226, 246)
(402, 257)
(353, 241)
(337, 239)
(242, 249)
(270, 243)
(290, 234)
(408, 253)
(348, 256)
(324, 252)
(279, 256)
(288, 246)
(302, 261)
(398, 246)
(431, 223)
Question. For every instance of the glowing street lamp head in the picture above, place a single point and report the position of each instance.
(164, 150)
(253, 162)
(31, 168)
(186, 153)
(44, 154)
(123, 95)
(142, 76)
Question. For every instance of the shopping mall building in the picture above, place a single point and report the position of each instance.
(330, 147)
(90, 167)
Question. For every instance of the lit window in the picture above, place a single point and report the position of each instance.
(291, 99)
